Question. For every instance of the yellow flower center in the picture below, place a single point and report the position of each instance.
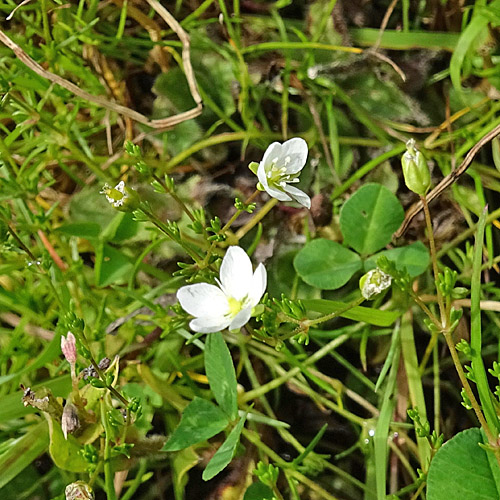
(235, 306)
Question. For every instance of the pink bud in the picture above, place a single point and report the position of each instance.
(68, 348)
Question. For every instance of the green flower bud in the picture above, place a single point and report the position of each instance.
(415, 169)
(373, 283)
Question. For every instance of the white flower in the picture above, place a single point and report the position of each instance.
(374, 282)
(230, 304)
(280, 167)
(117, 195)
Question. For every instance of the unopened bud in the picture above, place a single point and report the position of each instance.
(373, 283)
(79, 491)
(68, 348)
(415, 169)
(69, 420)
(121, 197)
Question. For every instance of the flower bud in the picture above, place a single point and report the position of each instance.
(68, 348)
(69, 420)
(415, 169)
(79, 491)
(373, 283)
(121, 197)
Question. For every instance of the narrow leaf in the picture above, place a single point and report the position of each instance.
(225, 453)
(220, 373)
(23, 451)
(475, 331)
(359, 313)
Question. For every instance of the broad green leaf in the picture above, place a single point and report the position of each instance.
(22, 451)
(382, 97)
(258, 491)
(111, 265)
(414, 258)
(201, 420)
(65, 453)
(359, 313)
(369, 218)
(326, 264)
(127, 228)
(220, 373)
(89, 206)
(225, 453)
(86, 230)
(461, 469)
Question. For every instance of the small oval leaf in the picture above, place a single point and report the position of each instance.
(369, 218)
(326, 264)
(414, 258)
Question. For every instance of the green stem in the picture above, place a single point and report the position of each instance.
(432, 245)
(256, 440)
(468, 390)
(275, 383)
(256, 218)
(108, 469)
(161, 226)
(229, 223)
(173, 194)
(312, 322)
(143, 464)
(20, 242)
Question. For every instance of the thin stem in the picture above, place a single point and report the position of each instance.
(99, 372)
(467, 387)
(173, 194)
(20, 243)
(108, 469)
(257, 218)
(137, 480)
(108, 386)
(161, 226)
(312, 322)
(227, 226)
(257, 441)
(432, 244)
(273, 384)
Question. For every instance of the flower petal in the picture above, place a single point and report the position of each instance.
(236, 273)
(272, 191)
(209, 324)
(276, 193)
(298, 195)
(296, 149)
(258, 285)
(203, 299)
(273, 151)
(241, 318)
(261, 175)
